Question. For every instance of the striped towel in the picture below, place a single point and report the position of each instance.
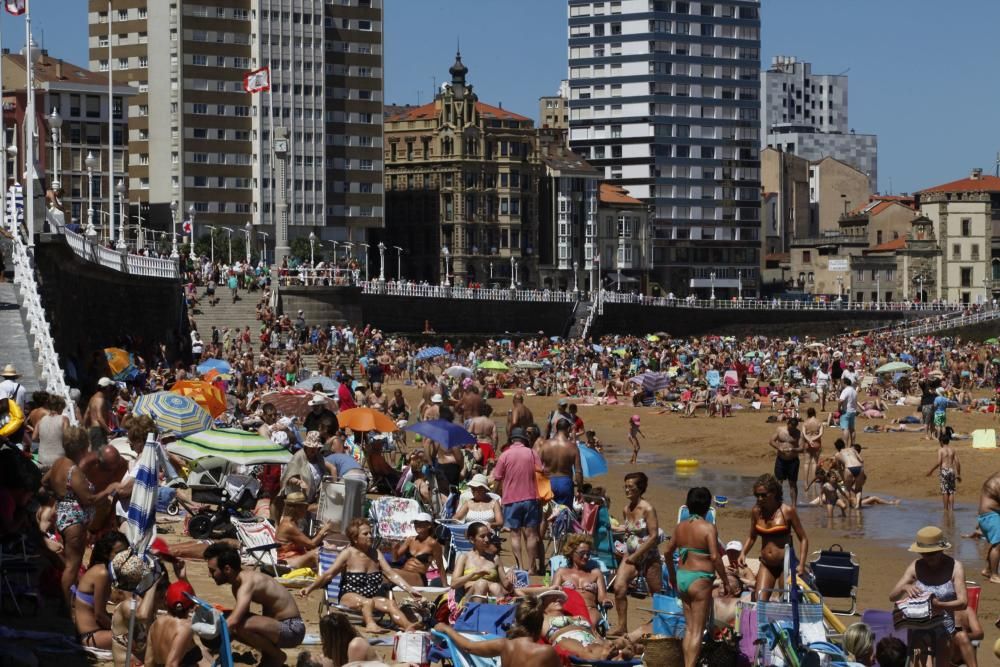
(142, 508)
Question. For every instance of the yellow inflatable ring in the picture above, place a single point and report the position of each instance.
(686, 463)
(16, 419)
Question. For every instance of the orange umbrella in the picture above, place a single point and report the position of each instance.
(366, 419)
(205, 394)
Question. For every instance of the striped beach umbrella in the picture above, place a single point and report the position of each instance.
(173, 413)
(234, 445)
(214, 365)
(205, 394)
(119, 363)
(430, 353)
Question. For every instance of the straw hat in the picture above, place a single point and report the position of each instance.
(929, 540)
(296, 498)
(10, 371)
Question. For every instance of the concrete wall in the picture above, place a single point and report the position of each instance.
(91, 307)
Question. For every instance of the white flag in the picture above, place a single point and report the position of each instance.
(15, 7)
(257, 80)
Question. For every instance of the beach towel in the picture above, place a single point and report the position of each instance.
(984, 438)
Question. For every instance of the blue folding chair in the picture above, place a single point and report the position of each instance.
(211, 627)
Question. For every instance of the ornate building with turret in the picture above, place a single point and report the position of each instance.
(461, 187)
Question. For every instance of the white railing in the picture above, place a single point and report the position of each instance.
(24, 279)
(940, 324)
(594, 308)
(774, 304)
(478, 293)
(136, 265)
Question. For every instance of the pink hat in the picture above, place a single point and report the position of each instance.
(635, 419)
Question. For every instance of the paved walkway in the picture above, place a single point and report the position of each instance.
(16, 347)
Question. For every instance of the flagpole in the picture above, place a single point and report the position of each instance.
(29, 140)
(3, 158)
(111, 137)
(270, 161)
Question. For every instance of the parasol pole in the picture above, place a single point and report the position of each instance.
(132, 604)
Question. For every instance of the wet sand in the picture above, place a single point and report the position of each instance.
(733, 451)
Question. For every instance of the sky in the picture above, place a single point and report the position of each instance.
(922, 79)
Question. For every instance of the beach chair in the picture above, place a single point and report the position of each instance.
(447, 650)
(260, 543)
(604, 540)
(683, 514)
(331, 594)
(210, 626)
(392, 518)
(774, 625)
(984, 438)
(836, 574)
(17, 573)
(451, 535)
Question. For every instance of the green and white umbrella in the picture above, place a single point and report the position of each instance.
(528, 365)
(894, 367)
(492, 365)
(231, 444)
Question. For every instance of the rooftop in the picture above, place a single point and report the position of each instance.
(616, 194)
(889, 246)
(51, 70)
(976, 182)
(429, 111)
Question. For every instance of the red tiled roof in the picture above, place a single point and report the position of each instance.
(895, 244)
(616, 194)
(428, 111)
(983, 183)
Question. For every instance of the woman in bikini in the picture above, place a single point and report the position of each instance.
(773, 522)
(574, 635)
(582, 574)
(91, 595)
(363, 568)
(696, 542)
(75, 501)
(481, 506)
(636, 545)
(419, 552)
(479, 571)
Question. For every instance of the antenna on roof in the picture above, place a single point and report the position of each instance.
(998, 163)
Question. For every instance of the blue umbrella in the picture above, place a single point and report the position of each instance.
(330, 386)
(592, 461)
(651, 381)
(214, 364)
(172, 412)
(430, 353)
(445, 433)
(597, 348)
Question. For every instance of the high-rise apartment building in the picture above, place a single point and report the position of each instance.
(199, 139)
(805, 114)
(665, 100)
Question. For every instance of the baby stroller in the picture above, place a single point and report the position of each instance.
(231, 494)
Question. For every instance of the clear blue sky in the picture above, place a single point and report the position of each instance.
(922, 79)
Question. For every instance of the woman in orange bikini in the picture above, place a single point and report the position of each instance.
(772, 521)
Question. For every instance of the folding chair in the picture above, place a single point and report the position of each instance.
(683, 514)
(836, 574)
(17, 570)
(449, 651)
(451, 535)
(259, 540)
(331, 594)
(392, 518)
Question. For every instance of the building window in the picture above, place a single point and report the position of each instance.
(806, 256)
(975, 252)
(966, 226)
(956, 251)
(966, 277)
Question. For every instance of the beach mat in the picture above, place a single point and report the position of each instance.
(984, 438)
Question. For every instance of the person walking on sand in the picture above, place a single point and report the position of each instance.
(812, 440)
(940, 411)
(786, 442)
(633, 437)
(949, 470)
(848, 409)
(989, 524)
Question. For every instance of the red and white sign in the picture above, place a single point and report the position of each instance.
(258, 80)
(15, 7)
(186, 226)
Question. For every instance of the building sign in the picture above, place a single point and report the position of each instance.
(840, 265)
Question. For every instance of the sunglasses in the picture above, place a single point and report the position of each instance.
(762, 495)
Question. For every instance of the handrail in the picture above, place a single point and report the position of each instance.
(117, 260)
(594, 307)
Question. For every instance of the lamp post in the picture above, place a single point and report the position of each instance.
(191, 213)
(711, 277)
(399, 263)
(366, 247)
(263, 247)
(211, 240)
(229, 237)
(576, 266)
(381, 262)
(920, 279)
(248, 228)
(513, 272)
(121, 189)
(312, 249)
(596, 263)
(878, 289)
(840, 288)
(173, 227)
(91, 162)
(55, 125)
(31, 54)
(739, 289)
(445, 253)
(350, 250)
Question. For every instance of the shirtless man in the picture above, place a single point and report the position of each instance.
(950, 470)
(483, 426)
(378, 400)
(989, 524)
(812, 440)
(104, 467)
(787, 443)
(280, 623)
(432, 409)
(97, 418)
(471, 404)
(519, 415)
(170, 642)
(560, 456)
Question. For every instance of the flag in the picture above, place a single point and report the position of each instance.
(186, 226)
(15, 7)
(257, 80)
(142, 507)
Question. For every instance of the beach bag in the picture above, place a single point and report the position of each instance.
(915, 613)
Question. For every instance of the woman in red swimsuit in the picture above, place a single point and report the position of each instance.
(772, 521)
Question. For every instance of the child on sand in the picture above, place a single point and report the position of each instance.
(832, 492)
(949, 469)
(633, 437)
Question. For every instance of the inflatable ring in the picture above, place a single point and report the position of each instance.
(686, 463)
(16, 420)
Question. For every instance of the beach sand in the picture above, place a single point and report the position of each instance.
(733, 451)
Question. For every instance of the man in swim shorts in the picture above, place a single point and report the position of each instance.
(989, 524)
(787, 442)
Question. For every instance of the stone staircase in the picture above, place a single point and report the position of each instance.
(581, 311)
(17, 348)
(226, 313)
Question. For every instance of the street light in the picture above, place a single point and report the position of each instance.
(91, 162)
(121, 189)
(263, 246)
(381, 262)
(576, 266)
(399, 263)
(229, 235)
(711, 277)
(248, 228)
(312, 250)
(211, 239)
(55, 124)
(739, 279)
(445, 252)
(191, 213)
(173, 226)
(366, 247)
(513, 272)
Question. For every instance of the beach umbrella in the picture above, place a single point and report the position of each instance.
(219, 365)
(458, 372)
(231, 444)
(991, 341)
(366, 419)
(445, 433)
(493, 365)
(290, 401)
(597, 348)
(205, 394)
(621, 351)
(504, 341)
(179, 415)
(528, 365)
(554, 339)
(430, 353)
(894, 367)
(592, 461)
(119, 363)
(329, 385)
(651, 381)
(653, 338)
